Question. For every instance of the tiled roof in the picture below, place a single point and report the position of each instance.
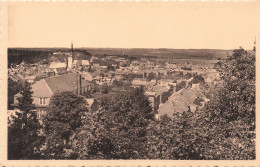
(41, 89)
(148, 93)
(160, 89)
(139, 82)
(67, 82)
(90, 102)
(85, 62)
(57, 65)
(180, 101)
(87, 76)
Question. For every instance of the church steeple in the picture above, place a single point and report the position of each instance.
(254, 45)
(72, 48)
(70, 58)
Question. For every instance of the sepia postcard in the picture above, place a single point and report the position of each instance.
(129, 83)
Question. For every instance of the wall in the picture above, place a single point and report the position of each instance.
(36, 101)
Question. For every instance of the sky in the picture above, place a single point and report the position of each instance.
(179, 25)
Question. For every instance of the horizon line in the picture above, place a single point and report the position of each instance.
(120, 48)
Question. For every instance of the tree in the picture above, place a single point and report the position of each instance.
(12, 90)
(150, 77)
(105, 89)
(180, 86)
(198, 79)
(110, 68)
(223, 130)
(198, 101)
(176, 138)
(91, 140)
(118, 129)
(65, 114)
(90, 69)
(24, 140)
(235, 96)
(118, 83)
(229, 116)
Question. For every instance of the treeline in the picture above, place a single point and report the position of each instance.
(124, 126)
(17, 56)
(43, 56)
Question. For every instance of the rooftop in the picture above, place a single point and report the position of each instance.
(181, 101)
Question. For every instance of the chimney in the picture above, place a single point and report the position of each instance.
(79, 87)
(174, 88)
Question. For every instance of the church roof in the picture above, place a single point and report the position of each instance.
(57, 65)
(81, 55)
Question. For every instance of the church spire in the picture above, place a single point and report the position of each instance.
(72, 46)
(72, 50)
(254, 45)
(70, 58)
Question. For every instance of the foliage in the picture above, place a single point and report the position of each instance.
(12, 90)
(124, 126)
(118, 129)
(197, 79)
(90, 141)
(234, 98)
(233, 105)
(129, 77)
(118, 83)
(166, 95)
(24, 140)
(180, 86)
(110, 68)
(64, 116)
(198, 101)
(175, 138)
(150, 77)
(105, 89)
(224, 130)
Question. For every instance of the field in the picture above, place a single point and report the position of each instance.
(33, 55)
(208, 54)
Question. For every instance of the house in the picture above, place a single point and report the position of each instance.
(77, 59)
(154, 99)
(79, 63)
(187, 82)
(139, 82)
(160, 90)
(180, 101)
(91, 104)
(45, 88)
(167, 82)
(30, 79)
(55, 65)
(87, 76)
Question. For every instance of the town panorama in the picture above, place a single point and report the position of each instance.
(105, 103)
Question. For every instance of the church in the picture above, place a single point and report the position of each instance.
(74, 60)
(78, 59)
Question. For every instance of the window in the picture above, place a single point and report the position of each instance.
(38, 114)
(42, 101)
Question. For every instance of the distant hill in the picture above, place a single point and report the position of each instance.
(208, 54)
(33, 55)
